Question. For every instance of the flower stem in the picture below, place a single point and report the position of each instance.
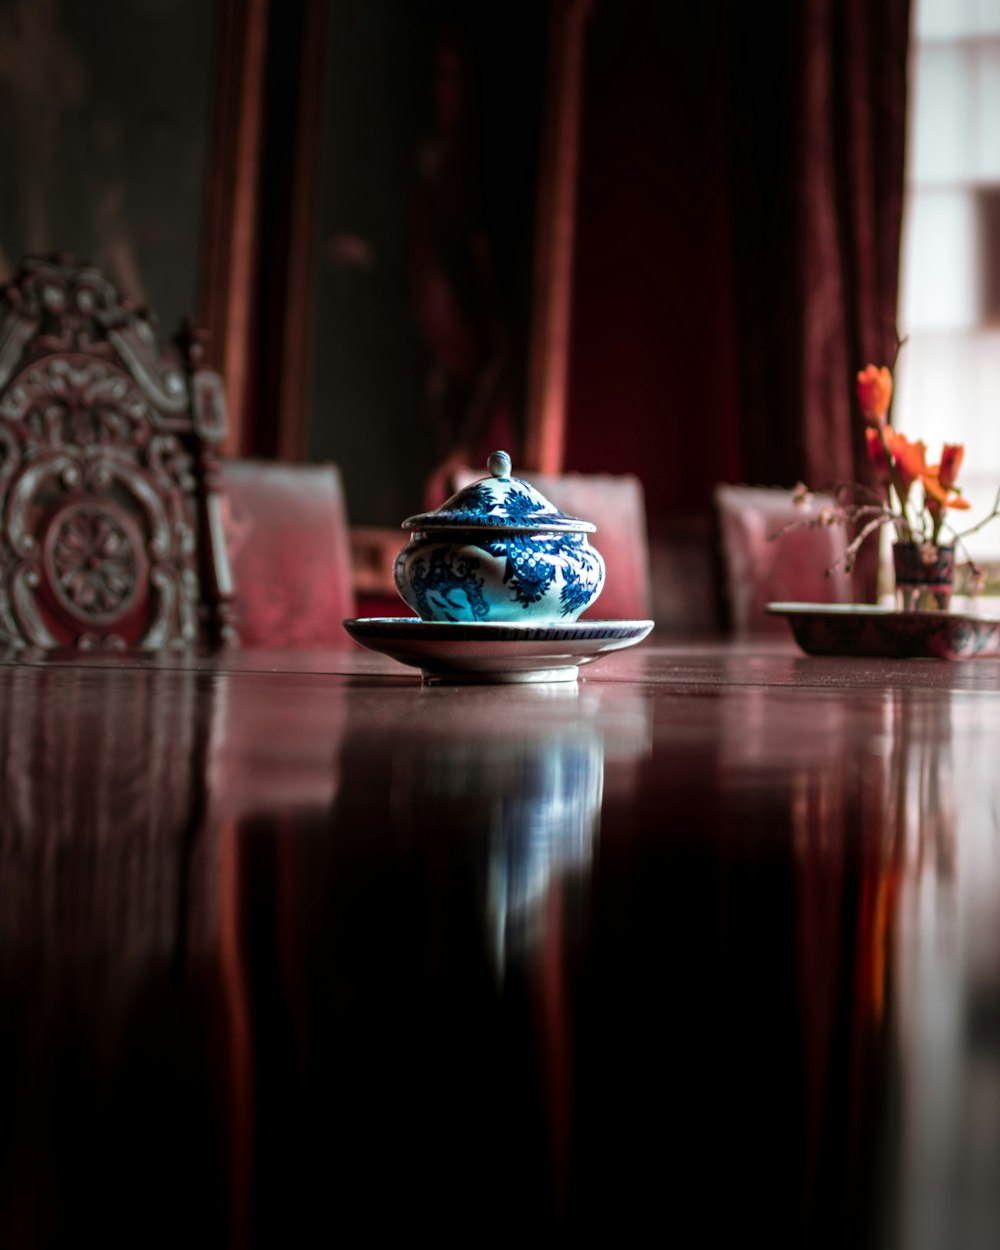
(896, 484)
(995, 512)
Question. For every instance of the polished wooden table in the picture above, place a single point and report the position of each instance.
(703, 948)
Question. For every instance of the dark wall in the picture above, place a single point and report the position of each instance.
(652, 375)
(105, 131)
(426, 208)
(652, 372)
(652, 383)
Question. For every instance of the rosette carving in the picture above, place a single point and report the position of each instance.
(93, 561)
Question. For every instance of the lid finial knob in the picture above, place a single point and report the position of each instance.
(499, 464)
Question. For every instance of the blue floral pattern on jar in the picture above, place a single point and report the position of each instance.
(521, 508)
(533, 562)
(478, 504)
(445, 585)
(525, 577)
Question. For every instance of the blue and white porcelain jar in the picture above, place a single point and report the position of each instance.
(498, 551)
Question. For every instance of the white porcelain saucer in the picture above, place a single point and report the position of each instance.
(463, 651)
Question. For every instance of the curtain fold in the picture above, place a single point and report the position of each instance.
(819, 95)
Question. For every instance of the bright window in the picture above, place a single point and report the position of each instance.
(948, 374)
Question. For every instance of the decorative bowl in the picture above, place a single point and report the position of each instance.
(498, 552)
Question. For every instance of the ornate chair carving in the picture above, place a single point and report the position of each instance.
(109, 530)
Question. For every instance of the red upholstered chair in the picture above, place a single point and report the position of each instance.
(616, 505)
(287, 541)
(107, 535)
(765, 562)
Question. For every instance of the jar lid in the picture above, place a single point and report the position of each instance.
(499, 502)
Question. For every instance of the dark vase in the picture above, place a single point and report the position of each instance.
(925, 576)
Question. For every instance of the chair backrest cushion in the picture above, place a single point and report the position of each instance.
(771, 554)
(287, 539)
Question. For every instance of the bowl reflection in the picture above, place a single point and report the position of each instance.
(523, 788)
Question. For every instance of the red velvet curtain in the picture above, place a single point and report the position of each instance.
(819, 112)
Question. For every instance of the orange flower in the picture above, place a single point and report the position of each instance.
(939, 481)
(875, 393)
(952, 455)
(939, 496)
(910, 459)
(876, 454)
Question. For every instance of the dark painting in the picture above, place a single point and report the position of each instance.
(105, 125)
(426, 233)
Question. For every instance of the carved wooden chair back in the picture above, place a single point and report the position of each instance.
(770, 555)
(288, 547)
(108, 537)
